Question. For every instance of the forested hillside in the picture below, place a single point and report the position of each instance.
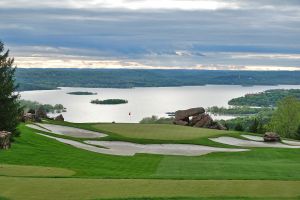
(39, 79)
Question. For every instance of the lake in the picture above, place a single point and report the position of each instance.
(142, 102)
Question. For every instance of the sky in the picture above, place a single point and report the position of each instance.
(154, 34)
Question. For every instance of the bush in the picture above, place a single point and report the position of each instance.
(286, 119)
(156, 120)
(239, 127)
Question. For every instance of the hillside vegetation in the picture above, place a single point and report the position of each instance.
(264, 99)
(40, 79)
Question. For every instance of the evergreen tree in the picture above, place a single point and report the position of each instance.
(10, 110)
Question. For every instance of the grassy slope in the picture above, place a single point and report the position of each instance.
(260, 163)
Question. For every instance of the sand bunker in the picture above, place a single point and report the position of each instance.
(130, 149)
(250, 143)
(261, 139)
(37, 127)
(68, 131)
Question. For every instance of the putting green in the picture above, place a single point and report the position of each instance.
(78, 188)
(19, 170)
(158, 131)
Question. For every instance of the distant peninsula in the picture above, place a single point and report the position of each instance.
(82, 93)
(109, 101)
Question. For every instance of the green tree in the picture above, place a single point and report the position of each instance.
(239, 127)
(254, 126)
(10, 110)
(261, 129)
(298, 131)
(286, 119)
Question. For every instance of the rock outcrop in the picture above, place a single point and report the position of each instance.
(5, 140)
(59, 118)
(196, 117)
(29, 117)
(182, 116)
(271, 137)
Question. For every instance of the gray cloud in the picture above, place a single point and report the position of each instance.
(154, 37)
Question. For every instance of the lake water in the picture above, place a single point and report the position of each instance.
(142, 102)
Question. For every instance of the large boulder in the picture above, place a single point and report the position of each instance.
(5, 140)
(185, 114)
(202, 120)
(271, 137)
(181, 122)
(28, 117)
(198, 119)
(59, 118)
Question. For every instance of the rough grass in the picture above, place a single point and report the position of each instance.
(17, 170)
(49, 188)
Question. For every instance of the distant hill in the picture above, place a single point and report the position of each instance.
(264, 99)
(44, 79)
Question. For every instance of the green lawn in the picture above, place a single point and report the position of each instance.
(18, 170)
(49, 189)
(257, 174)
(158, 131)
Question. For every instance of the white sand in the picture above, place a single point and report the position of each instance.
(37, 127)
(290, 142)
(253, 137)
(78, 144)
(130, 149)
(68, 131)
(249, 143)
(257, 138)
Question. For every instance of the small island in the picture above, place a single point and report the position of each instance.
(82, 93)
(109, 101)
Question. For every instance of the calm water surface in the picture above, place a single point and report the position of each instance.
(142, 102)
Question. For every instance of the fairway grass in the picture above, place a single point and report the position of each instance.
(18, 170)
(81, 189)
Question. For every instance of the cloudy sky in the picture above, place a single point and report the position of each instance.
(190, 34)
